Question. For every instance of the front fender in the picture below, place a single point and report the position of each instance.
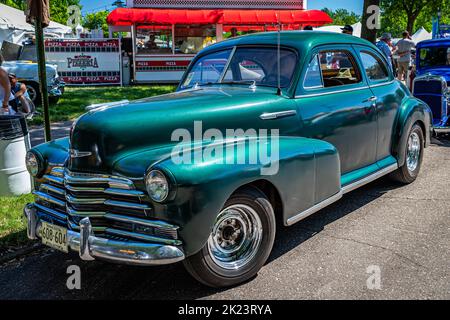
(307, 172)
(53, 153)
(412, 111)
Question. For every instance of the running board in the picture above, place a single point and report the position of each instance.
(338, 196)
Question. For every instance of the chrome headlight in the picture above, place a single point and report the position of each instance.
(157, 185)
(34, 165)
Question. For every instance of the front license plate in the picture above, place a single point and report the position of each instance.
(54, 236)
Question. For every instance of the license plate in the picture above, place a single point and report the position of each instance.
(54, 236)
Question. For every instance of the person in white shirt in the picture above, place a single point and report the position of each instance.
(404, 47)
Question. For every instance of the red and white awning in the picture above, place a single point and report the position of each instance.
(241, 19)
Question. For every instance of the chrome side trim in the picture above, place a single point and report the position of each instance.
(277, 115)
(440, 130)
(368, 179)
(336, 197)
(382, 84)
(330, 92)
(314, 209)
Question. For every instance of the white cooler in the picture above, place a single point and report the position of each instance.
(14, 144)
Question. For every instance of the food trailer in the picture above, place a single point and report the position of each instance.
(167, 34)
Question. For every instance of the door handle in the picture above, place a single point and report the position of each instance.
(371, 99)
(277, 115)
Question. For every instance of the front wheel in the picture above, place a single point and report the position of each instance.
(414, 155)
(240, 242)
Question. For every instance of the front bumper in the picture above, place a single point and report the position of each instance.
(91, 247)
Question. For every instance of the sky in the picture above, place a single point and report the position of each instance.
(351, 5)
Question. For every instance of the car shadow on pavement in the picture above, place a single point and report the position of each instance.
(289, 238)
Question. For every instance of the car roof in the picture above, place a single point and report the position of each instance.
(301, 40)
(434, 42)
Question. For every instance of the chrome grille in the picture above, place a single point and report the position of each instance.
(116, 209)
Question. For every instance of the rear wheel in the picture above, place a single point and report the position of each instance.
(240, 242)
(414, 155)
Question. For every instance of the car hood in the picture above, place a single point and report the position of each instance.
(105, 135)
(27, 70)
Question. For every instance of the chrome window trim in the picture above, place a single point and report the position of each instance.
(331, 92)
(382, 84)
(227, 65)
(316, 56)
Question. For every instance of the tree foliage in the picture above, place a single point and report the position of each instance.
(96, 20)
(58, 8)
(400, 15)
(342, 17)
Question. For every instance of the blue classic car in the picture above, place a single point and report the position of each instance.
(432, 81)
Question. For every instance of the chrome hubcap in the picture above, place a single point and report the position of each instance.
(413, 154)
(236, 237)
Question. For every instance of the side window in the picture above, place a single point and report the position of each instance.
(375, 69)
(338, 68)
(313, 78)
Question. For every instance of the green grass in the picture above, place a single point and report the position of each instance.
(12, 223)
(73, 102)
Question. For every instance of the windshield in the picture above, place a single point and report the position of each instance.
(434, 57)
(258, 65)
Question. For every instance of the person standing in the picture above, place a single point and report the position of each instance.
(5, 89)
(384, 45)
(404, 47)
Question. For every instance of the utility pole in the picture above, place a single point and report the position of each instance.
(370, 20)
(37, 13)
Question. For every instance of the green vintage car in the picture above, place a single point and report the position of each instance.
(257, 134)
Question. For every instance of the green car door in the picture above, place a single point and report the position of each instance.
(389, 95)
(335, 104)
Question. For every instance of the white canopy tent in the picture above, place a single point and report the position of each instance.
(421, 35)
(14, 27)
(337, 29)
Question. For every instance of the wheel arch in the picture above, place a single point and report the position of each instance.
(413, 111)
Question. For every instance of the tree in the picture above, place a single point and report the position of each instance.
(397, 12)
(369, 32)
(18, 4)
(342, 16)
(96, 20)
(58, 8)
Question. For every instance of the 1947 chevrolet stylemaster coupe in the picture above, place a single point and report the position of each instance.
(114, 190)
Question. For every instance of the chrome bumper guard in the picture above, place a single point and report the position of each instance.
(91, 247)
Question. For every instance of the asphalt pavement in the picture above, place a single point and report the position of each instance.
(402, 232)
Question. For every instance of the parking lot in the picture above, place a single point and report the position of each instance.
(402, 230)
